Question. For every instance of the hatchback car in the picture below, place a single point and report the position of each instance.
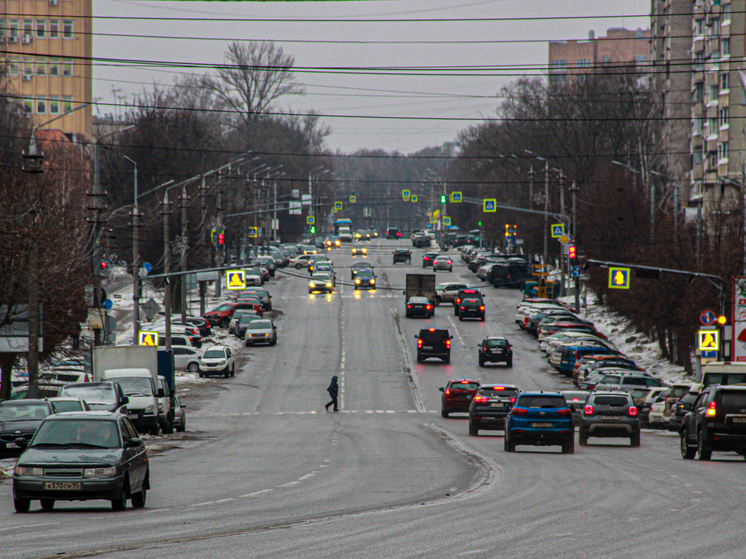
(434, 342)
(609, 414)
(393, 233)
(179, 415)
(419, 306)
(81, 456)
(19, 419)
(443, 262)
(101, 396)
(540, 418)
(358, 266)
(496, 349)
(402, 255)
(457, 395)
(243, 324)
(217, 360)
(472, 308)
(490, 407)
(467, 293)
(260, 332)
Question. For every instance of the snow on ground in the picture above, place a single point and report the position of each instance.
(6, 467)
(633, 343)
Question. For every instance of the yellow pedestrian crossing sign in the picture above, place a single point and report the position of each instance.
(708, 340)
(489, 205)
(619, 278)
(405, 194)
(446, 220)
(149, 338)
(353, 199)
(310, 220)
(253, 232)
(337, 205)
(456, 197)
(414, 198)
(235, 280)
(558, 229)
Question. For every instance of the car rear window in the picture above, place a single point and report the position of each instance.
(497, 343)
(542, 402)
(733, 399)
(497, 392)
(433, 335)
(610, 401)
(464, 386)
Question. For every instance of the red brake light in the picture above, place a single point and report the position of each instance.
(512, 400)
(464, 382)
(588, 410)
(632, 411)
(448, 344)
(568, 411)
(481, 308)
(426, 258)
(519, 411)
(428, 307)
(409, 306)
(463, 307)
(419, 344)
(484, 348)
(480, 399)
(711, 410)
(448, 391)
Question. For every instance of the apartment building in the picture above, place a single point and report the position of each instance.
(570, 60)
(46, 49)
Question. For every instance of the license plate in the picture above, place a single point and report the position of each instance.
(541, 425)
(739, 420)
(427, 347)
(496, 405)
(11, 445)
(610, 418)
(63, 485)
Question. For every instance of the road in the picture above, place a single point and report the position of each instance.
(264, 471)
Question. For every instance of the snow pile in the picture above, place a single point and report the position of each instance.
(6, 467)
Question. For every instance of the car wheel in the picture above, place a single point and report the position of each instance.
(704, 450)
(120, 503)
(273, 342)
(21, 505)
(47, 505)
(509, 444)
(298, 266)
(227, 373)
(138, 499)
(182, 426)
(687, 452)
(568, 447)
(634, 440)
(193, 368)
(481, 361)
(509, 363)
(201, 374)
(155, 431)
(447, 359)
(483, 318)
(443, 412)
(224, 323)
(233, 371)
(168, 429)
(460, 318)
(437, 301)
(419, 358)
(473, 428)
(582, 438)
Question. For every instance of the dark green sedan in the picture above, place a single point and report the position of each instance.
(80, 456)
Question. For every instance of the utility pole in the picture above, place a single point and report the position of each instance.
(531, 187)
(574, 192)
(166, 212)
(135, 260)
(546, 212)
(563, 256)
(184, 244)
(218, 258)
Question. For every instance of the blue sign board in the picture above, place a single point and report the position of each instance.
(107, 304)
(147, 266)
(489, 205)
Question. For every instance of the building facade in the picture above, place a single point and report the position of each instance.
(570, 60)
(47, 56)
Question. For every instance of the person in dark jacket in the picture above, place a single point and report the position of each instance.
(333, 391)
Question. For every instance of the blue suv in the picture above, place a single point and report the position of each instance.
(540, 418)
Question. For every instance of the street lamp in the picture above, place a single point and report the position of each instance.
(135, 258)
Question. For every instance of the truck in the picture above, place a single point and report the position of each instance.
(420, 285)
(137, 370)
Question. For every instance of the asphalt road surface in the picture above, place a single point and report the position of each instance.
(265, 471)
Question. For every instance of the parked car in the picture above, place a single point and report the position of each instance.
(419, 306)
(222, 314)
(179, 415)
(101, 396)
(433, 342)
(217, 360)
(186, 358)
(540, 418)
(243, 324)
(609, 414)
(715, 422)
(83, 456)
(19, 420)
(495, 349)
(260, 332)
(490, 406)
(457, 395)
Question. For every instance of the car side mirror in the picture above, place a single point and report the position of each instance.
(415, 336)
(125, 400)
(572, 407)
(161, 393)
(451, 337)
(441, 389)
(133, 443)
(21, 442)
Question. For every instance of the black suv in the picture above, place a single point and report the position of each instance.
(609, 414)
(490, 406)
(495, 350)
(434, 342)
(393, 233)
(468, 293)
(402, 255)
(471, 308)
(716, 421)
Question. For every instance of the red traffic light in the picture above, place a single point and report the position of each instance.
(221, 238)
(572, 252)
(104, 264)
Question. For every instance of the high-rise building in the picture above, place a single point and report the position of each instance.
(47, 54)
(574, 59)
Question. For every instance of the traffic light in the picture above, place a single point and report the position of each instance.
(104, 264)
(507, 230)
(572, 253)
(221, 238)
(442, 198)
(312, 229)
(722, 320)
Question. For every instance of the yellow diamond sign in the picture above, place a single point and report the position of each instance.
(235, 280)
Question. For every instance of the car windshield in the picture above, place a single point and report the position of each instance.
(420, 300)
(464, 386)
(214, 354)
(22, 411)
(260, 325)
(542, 402)
(67, 405)
(362, 274)
(497, 343)
(610, 401)
(78, 432)
(224, 307)
(91, 394)
(135, 386)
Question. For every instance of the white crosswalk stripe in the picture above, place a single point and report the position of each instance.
(198, 415)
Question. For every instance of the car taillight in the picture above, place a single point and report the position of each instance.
(463, 307)
(512, 400)
(484, 348)
(632, 411)
(448, 344)
(711, 410)
(426, 258)
(409, 306)
(481, 308)
(428, 307)
(519, 411)
(448, 392)
(458, 301)
(419, 344)
(588, 410)
(480, 399)
(564, 412)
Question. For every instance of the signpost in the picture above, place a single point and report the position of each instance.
(337, 206)
(149, 338)
(235, 280)
(414, 198)
(708, 340)
(558, 229)
(405, 194)
(353, 199)
(619, 278)
(489, 205)
(310, 220)
(456, 197)
(253, 232)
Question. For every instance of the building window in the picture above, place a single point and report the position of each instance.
(713, 92)
(698, 94)
(724, 81)
(698, 126)
(41, 66)
(2, 29)
(712, 159)
(723, 152)
(699, 26)
(712, 124)
(582, 63)
(67, 103)
(67, 29)
(698, 155)
(28, 66)
(699, 59)
(715, 24)
(28, 106)
(28, 27)
(54, 66)
(54, 28)
(13, 29)
(67, 67)
(725, 47)
(41, 28)
(723, 115)
(41, 106)
(558, 65)
(54, 105)
(14, 66)
(726, 13)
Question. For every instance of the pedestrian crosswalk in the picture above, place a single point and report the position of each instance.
(199, 415)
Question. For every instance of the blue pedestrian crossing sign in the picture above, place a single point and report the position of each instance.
(149, 339)
(235, 280)
(405, 194)
(414, 198)
(558, 230)
(446, 220)
(253, 232)
(337, 205)
(456, 197)
(708, 340)
(489, 205)
(310, 220)
(618, 278)
(353, 199)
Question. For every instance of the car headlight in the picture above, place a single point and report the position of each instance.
(150, 409)
(311, 284)
(28, 471)
(373, 281)
(100, 472)
(365, 251)
(328, 284)
(357, 281)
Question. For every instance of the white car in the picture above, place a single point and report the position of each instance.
(186, 358)
(261, 332)
(217, 360)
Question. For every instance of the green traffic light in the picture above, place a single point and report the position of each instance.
(442, 198)
(313, 229)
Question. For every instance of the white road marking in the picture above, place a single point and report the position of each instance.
(255, 493)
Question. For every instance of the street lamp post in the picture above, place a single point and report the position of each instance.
(135, 259)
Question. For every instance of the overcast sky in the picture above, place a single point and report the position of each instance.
(466, 97)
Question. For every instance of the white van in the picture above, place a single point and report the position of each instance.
(723, 372)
